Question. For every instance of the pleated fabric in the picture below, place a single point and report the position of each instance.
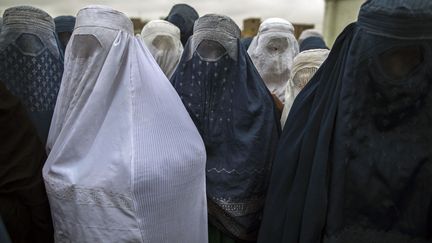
(126, 162)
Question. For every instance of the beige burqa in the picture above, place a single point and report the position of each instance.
(163, 41)
(272, 51)
(305, 65)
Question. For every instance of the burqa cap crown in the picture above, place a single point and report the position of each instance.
(220, 23)
(25, 16)
(404, 19)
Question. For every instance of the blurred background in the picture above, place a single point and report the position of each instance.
(328, 16)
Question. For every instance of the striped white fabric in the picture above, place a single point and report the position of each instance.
(127, 163)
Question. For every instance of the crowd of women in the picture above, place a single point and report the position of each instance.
(187, 133)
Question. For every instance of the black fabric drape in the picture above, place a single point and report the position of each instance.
(183, 16)
(23, 202)
(354, 156)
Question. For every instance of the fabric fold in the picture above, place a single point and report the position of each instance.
(126, 163)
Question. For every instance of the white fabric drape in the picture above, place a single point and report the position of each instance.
(163, 41)
(305, 65)
(127, 163)
(272, 52)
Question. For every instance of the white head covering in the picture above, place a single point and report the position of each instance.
(272, 51)
(163, 41)
(305, 65)
(127, 163)
(309, 33)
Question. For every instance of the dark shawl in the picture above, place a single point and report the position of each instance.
(64, 24)
(354, 163)
(23, 202)
(312, 42)
(246, 42)
(31, 65)
(235, 115)
(183, 16)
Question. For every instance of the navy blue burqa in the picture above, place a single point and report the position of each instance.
(354, 163)
(236, 117)
(31, 64)
(64, 26)
(312, 42)
(183, 16)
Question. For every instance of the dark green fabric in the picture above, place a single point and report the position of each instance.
(23, 202)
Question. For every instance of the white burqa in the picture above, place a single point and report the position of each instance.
(163, 41)
(305, 65)
(127, 163)
(272, 51)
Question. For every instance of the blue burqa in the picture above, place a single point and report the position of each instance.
(31, 65)
(236, 117)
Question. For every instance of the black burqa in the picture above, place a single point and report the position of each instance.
(183, 16)
(236, 117)
(24, 205)
(354, 163)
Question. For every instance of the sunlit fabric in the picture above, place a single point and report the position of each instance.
(163, 41)
(64, 26)
(183, 16)
(24, 205)
(354, 163)
(31, 64)
(127, 163)
(272, 51)
(235, 114)
(305, 65)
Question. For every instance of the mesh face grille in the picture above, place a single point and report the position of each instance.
(302, 77)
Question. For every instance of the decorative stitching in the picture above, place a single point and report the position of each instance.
(250, 172)
(88, 196)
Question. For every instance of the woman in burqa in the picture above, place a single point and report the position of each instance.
(355, 161)
(236, 117)
(127, 163)
(31, 63)
(272, 51)
(64, 26)
(311, 39)
(305, 65)
(312, 43)
(183, 16)
(163, 41)
(23, 202)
